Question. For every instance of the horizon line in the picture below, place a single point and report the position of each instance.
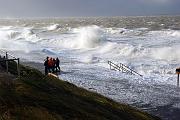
(56, 17)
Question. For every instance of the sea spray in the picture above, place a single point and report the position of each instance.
(89, 37)
(53, 27)
(166, 53)
(18, 40)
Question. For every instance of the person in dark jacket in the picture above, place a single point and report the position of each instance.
(46, 65)
(54, 65)
(57, 65)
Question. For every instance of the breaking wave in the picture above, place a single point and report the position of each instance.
(85, 38)
(89, 37)
(53, 27)
(19, 39)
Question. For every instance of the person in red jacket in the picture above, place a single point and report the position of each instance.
(50, 64)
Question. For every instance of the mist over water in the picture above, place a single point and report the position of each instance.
(149, 45)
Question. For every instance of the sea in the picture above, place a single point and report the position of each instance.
(148, 45)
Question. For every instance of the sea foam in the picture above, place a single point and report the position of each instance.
(89, 37)
(53, 27)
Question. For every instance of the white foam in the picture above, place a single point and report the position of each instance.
(84, 52)
(16, 39)
(167, 53)
(115, 30)
(53, 27)
(89, 37)
(89, 59)
(12, 34)
(167, 33)
(175, 33)
(85, 38)
(28, 35)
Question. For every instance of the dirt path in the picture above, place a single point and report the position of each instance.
(5, 78)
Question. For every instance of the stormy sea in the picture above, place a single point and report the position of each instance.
(148, 45)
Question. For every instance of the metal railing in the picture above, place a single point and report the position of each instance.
(123, 68)
(5, 57)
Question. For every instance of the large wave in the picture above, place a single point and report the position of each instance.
(18, 39)
(82, 38)
(89, 37)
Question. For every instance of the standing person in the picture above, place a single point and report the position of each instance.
(46, 66)
(54, 65)
(50, 64)
(57, 65)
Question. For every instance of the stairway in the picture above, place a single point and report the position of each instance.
(123, 68)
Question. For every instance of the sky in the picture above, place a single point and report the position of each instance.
(80, 8)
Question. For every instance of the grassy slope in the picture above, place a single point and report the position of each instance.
(36, 96)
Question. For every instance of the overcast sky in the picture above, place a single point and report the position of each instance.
(68, 8)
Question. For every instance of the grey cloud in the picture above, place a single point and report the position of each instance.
(58, 8)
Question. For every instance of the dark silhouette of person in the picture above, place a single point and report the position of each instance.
(57, 65)
(54, 65)
(46, 65)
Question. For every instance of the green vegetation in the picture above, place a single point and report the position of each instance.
(35, 96)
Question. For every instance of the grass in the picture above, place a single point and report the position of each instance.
(35, 96)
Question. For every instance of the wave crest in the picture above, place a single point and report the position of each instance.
(53, 27)
(89, 37)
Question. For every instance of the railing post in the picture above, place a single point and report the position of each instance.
(178, 80)
(120, 66)
(6, 62)
(18, 68)
(178, 72)
(110, 65)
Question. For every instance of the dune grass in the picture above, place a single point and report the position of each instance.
(35, 96)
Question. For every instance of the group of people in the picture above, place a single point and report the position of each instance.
(52, 65)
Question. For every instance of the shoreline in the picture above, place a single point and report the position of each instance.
(34, 92)
(164, 112)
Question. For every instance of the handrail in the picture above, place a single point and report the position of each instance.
(131, 69)
(8, 54)
(1, 60)
(6, 59)
(123, 68)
